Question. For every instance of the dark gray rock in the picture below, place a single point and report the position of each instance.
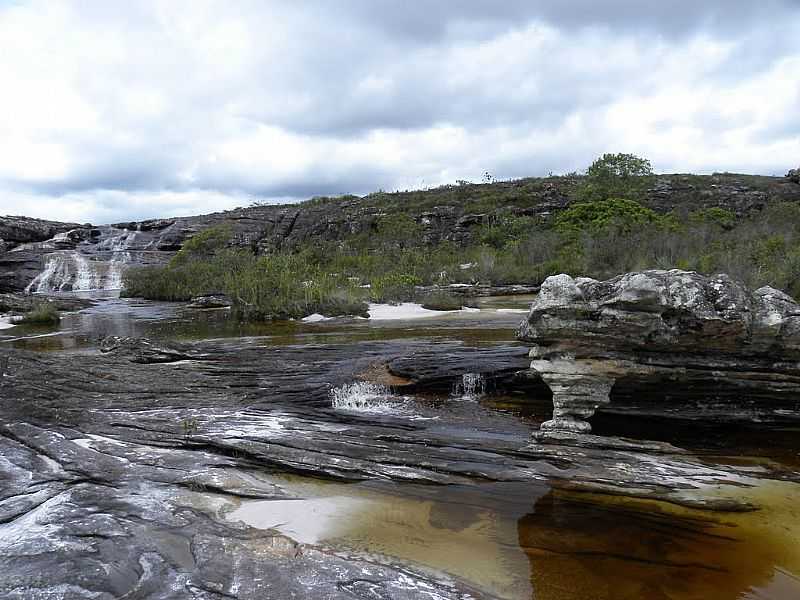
(794, 175)
(677, 337)
(141, 350)
(211, 301)
(19, 267)
(16, 230)
(443, 215)
(21, 303)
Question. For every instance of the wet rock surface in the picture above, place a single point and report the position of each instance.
(116, 463)
(211, 301)
(22, 303)
(695, 344)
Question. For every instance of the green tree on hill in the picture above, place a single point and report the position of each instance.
(616, 176)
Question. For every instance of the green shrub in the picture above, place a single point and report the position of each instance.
(594, 216)
(442, 301)
(394, 287)
(204, 244)
(43, 313)
(721, 217)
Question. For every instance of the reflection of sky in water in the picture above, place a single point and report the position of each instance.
(523, 541)
(467, 532)
(162, 320)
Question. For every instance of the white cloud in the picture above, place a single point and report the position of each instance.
(155, 108)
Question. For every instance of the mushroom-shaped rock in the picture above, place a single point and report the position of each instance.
(675, 335)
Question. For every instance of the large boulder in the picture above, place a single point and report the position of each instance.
(693, 345)
(794, 175)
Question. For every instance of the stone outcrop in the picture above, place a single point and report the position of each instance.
(452, 214)
(22, 303)
(211, 301)
(691, 345)
(21, 230)
(794, 175)
(144, 351)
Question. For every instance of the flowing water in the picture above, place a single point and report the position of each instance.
(93, 264)
(513, 540)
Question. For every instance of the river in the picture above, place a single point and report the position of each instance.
(428, 479)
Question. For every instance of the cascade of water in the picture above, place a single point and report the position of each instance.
(55, 272)
(472, 385)
(89, 267)
(367, 397)
(86, 276)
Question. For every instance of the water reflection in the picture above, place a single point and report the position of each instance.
(521, 541)
(623, 549)
(162, 320)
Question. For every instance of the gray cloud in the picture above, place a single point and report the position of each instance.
(211, 103)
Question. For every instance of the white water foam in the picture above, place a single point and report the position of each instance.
(471, 386)
(73, 270)
(364, 397)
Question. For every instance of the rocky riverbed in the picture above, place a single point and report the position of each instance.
(154, 451)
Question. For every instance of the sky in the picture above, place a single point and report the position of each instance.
(115, 110)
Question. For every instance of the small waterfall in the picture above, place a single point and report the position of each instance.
(366, 397)
(93, 265)
(471, 386)
(71, 271)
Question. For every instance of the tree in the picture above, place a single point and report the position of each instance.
(616, 176)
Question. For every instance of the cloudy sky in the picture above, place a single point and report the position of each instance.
(123, 109)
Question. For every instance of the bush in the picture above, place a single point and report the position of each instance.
(43, 313)
(620, 213)
(442, 301)
(394, 287)
(204, 244)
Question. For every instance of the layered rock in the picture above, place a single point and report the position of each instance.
(693, 345)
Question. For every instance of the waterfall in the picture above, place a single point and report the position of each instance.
(361, 396)
(92, 265)
(471, 386)
(71, 271)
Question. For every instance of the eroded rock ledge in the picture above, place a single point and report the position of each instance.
(697, 346)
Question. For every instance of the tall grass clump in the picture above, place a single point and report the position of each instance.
(42, 313)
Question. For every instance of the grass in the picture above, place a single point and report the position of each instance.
(43, 313)
(597, 238)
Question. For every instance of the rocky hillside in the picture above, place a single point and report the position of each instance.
(452, 213)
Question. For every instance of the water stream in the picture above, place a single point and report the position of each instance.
(93, 264)
(514, 540)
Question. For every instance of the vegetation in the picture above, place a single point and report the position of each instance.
(606, 232)
(616, 175)
(42, 313)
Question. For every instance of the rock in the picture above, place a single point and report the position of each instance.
(446, 214)
(688, 344)
(478, 289)
(155, 224)
(144, 351)
(794, 175)
(211, 301)
(21, 303)
(21, 230)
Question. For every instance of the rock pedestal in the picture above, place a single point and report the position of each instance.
(701, 347)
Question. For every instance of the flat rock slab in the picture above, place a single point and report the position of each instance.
(105, 466)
